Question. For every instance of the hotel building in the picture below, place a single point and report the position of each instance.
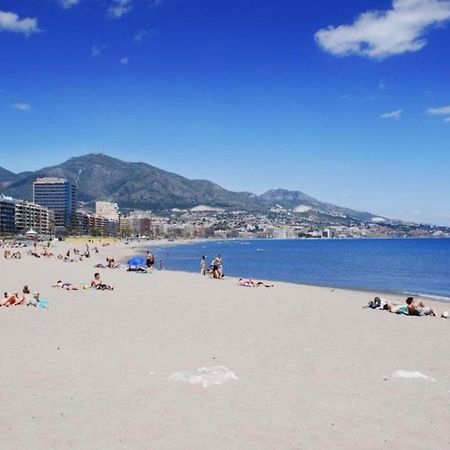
(59, 195)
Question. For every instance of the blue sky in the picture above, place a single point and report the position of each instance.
(347, 101)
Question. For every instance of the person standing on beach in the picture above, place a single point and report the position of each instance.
(219, 265)
(203, 265)
(150, 260)
(216, 267)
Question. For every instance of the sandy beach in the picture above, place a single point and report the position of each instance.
(289, 367)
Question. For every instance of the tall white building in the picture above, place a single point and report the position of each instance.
(108, 210)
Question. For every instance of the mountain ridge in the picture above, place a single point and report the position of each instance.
(139, 185)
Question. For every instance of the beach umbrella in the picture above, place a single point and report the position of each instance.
(136, 261)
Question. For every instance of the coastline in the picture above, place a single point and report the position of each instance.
(382, 291)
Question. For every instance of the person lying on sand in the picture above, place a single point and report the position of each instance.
(14, 299)
(397, 308)
(132, 268)
(97, 283)
(249, 282)
(378, 303)
(418, 308)
(410, 307)
(67, 286)
(11, 299)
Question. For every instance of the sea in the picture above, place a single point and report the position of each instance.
(401, 266)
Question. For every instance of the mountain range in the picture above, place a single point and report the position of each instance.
(137, 185)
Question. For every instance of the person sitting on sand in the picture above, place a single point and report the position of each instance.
(111, 263)
(67, 286)
(418, 308)
(97, 283)
(26, 294)
(33, 300)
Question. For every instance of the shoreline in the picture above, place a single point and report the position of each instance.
(382, 292)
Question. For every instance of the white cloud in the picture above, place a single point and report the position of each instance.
(439, 111)
(66, 4)
(392, 115)
(21, 106)
(119, 8)
(155, 3)
(140, 36)
(124, 60)
(95, 50)
(10, 22)
(379, 34)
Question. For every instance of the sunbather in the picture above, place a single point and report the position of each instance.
(418, 308)
(132, 268)
(11, 299)
(249, 282)
(97, 283)
(67, 286)
(33, 300)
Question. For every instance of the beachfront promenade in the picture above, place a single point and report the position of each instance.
(289, 367)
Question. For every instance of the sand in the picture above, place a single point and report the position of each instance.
(296, 367)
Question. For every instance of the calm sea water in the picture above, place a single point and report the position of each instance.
(416, 266)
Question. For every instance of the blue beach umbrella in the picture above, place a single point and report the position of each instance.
(136, 261)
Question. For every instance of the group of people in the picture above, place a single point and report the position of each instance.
(411, 307)
(215, 268)
(8, 254)
(25, 298)
(110, 264)
(96, 283)
(73, 255)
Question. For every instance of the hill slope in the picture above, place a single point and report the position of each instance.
(142, 186)
(297, 200)
(132, 185)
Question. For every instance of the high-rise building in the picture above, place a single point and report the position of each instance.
(60, 195)
(7, 215)
(109, 210)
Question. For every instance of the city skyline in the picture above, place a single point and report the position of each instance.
(346, 104)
